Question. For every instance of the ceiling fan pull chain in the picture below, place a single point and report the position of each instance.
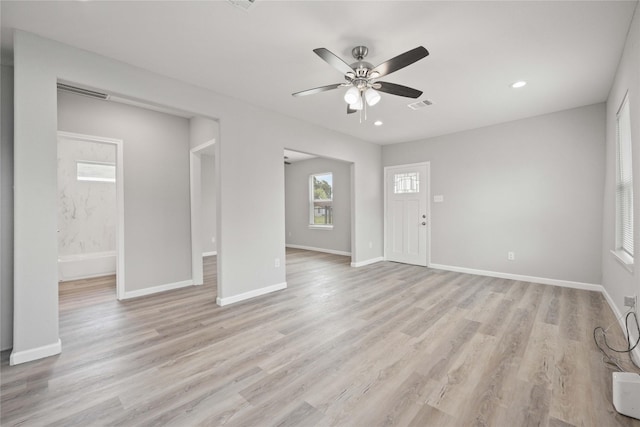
(365, 108)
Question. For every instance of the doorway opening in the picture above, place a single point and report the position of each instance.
(318, 203)
(203, 210)
(90, 208)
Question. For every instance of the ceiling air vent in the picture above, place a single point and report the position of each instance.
(242, 4)
(82, 91)
(420, 104)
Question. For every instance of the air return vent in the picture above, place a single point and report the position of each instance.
(82, 91)
(420, 104)
(242, 4)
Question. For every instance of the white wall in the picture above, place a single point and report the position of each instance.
(251, 144)
(616, 279)
(156, 184)
(297, 205)
(201, 130)
(6, 206)
(208, 188)
(87, 209)
(531, 186)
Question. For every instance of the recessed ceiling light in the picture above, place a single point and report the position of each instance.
(377, 123)
(521, 83)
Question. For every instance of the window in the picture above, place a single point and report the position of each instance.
(624, 185)
(406, 183)
(96, 171)
(321, 200)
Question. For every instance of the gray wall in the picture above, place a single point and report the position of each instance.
(156, 184)
(296, 182)
(6, 214)
(251, 144)
(616, 279)
(208, 189)
(531, 186)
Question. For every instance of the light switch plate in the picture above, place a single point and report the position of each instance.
(438, 199)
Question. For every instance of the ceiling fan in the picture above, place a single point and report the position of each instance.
(362, 77)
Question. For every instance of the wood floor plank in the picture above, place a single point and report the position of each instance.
(430, 416)
(303, 415)
(463, 376)
(572, 385)
(384, 344)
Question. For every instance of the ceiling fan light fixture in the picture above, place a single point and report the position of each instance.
(352, 95)
(372, 96)
(357, 105)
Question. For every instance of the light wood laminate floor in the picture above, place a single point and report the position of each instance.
(386, 344)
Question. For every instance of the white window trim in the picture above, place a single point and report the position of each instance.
(624, 259)
(313, 226)
(321, 226)
(620, 254)
(95, 179)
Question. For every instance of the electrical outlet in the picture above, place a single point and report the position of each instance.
(511, 256)
(277, 262)
(630, 301)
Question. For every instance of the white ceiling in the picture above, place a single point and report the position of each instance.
(568, 51)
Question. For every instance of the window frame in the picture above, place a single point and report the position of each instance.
(624, 221)
(312, 201)
(414, 183)
(96, 179)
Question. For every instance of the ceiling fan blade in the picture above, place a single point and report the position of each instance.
(399, 90)
(334, 60)
(317, 90)
(400, 61)
(350, 110)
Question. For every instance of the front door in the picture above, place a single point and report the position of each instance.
(406, 214)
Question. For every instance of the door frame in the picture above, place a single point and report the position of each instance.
(120, 280)
(428, 204)
(195, 176)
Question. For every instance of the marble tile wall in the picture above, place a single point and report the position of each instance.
(86, 209)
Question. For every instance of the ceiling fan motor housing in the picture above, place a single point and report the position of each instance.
(359, 52)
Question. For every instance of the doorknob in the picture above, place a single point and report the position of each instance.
(424, 216)
(424, 223)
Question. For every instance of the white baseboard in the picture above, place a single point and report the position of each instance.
(86, 266)
(209, 253)
(367, 262)
(635, 353)
(18, 357)
(155, 289)
(532, 279)
(251, 294)
(327, 251)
